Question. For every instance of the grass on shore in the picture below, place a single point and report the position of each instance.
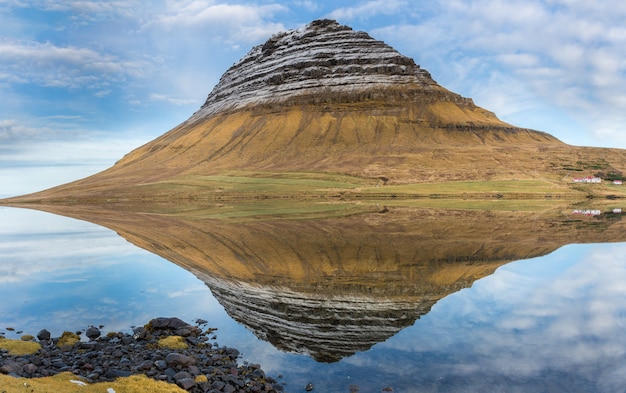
(70, 383)
(243, 185)
(250, 187)
(19, 347)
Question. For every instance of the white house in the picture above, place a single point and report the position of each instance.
(588, 179)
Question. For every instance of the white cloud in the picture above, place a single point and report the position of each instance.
(560, 313)
(172, 100)
(567, 54)
(307, 4)
(92, 9)
(54, 150)
(65, 66)
(368, 9)
(230, 22)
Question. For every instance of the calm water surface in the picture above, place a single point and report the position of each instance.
(551, 324)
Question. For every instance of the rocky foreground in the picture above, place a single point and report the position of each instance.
(165, 349)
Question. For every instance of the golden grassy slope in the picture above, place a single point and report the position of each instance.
(404, 137)
(63, 383)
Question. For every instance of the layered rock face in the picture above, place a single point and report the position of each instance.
(327, 328)
(323, 57)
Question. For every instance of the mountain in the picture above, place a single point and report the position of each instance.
(326, 100)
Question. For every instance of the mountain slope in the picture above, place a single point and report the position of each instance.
(327, 99)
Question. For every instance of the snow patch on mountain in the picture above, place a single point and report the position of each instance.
(321, 57)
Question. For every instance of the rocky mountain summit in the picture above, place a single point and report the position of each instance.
(318, 59)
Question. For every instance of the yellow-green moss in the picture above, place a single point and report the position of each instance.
(173, 342)
(19, 347)
(201, 378)
(27, 337)
(61, 383)
(68, 339)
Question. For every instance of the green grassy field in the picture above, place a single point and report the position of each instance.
(301, 184)
(252, 187)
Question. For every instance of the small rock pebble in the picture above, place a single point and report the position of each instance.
(200, 368)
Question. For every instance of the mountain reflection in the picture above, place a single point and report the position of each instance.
(329, 283)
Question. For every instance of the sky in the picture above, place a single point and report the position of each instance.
(82, 82)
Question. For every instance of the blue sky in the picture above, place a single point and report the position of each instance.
(82, 82)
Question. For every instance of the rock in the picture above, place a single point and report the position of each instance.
(92, 354)
(178, 359)
(139, 333)
(159, 323)
(184, 380)
(309, 387)
(43, 335)
(321, 57)
(29, 369)
(58, 363)
(186, 383)
(90, 346)
(93, 376)
(182, 375)
(229, 389)
(184, 332)
(93, 333)
(160, 364)
(11, 367)
(145, 365)
(125, 362)
(121, 355)
(168, 323)
(170, 372)
(114, 373)
(126, 340)
(193, 370)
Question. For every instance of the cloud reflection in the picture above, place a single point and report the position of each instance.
(567, 322)
(64, 274)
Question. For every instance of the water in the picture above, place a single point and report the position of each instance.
(552, 323)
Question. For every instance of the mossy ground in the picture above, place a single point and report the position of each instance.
(173, 342)
(19, 347)
(62, 383)
(68, 339)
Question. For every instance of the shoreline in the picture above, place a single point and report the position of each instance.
(167, 350)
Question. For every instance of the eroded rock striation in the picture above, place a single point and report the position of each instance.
(319, 59)
(327, 328)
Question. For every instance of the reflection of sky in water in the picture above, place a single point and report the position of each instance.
(63, 274)
(554, 323)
